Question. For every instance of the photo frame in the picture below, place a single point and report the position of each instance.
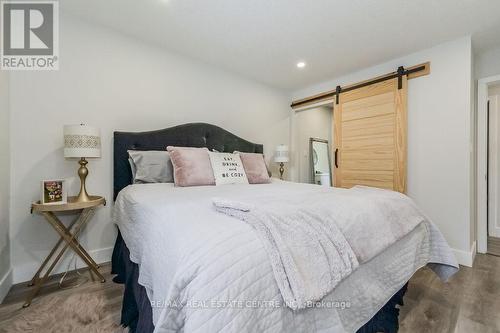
(54, 192)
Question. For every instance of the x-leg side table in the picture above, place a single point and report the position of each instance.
(68, 236)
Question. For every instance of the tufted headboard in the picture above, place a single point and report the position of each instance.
(187, 135)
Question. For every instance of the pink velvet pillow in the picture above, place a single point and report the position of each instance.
(191, 166)
(255, 168)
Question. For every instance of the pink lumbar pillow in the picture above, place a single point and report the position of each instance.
(191, 166)
(255, 168)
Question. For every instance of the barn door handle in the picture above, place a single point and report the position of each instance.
(336, 158)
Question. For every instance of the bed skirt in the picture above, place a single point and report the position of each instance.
(137, 312)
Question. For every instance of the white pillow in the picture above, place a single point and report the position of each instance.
(227, 168)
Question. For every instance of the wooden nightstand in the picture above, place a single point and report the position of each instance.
(68, 235)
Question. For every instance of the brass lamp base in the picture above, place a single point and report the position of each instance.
(282, 170)
(83, 173)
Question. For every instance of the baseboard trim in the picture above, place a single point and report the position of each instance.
(100, 256)
(5, 284)
(465, 258)
(25, 273)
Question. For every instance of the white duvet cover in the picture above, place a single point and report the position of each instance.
(207, 272)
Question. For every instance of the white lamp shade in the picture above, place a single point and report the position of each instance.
(281, 154)
(82, 141)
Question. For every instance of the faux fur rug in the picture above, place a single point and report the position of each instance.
(75, 314)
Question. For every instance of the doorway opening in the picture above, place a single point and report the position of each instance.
(493, 171)
(488, 166)
(312, 142)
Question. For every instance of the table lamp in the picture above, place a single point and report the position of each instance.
(82, 141)
(281, 157)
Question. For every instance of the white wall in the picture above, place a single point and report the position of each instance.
(117, 83)
(439, 135)
(487, 63)
(311, 123)
(494, 90)
(473, 156)
(5, 271)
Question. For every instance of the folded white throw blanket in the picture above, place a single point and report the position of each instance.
(316, 240)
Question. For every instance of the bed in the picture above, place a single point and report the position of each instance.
(188, 268)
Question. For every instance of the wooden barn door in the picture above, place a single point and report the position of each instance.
(370, 130)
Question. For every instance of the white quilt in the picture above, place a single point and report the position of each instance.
(314, 241)
(207, 272)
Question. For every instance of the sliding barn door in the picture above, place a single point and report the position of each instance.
(370, 136)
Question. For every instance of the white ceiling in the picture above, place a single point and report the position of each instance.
(264, 39)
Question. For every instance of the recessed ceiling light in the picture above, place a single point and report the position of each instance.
(301, 64)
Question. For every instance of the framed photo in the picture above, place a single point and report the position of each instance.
(54, 192)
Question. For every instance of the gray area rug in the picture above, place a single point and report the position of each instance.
(75, 313)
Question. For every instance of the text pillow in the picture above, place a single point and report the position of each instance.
(228, 168)
(255, 168)
(191, 166)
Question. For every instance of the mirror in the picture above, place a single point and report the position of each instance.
(319, 153)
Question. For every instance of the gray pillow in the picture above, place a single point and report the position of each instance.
(132, 168)
(151, 166)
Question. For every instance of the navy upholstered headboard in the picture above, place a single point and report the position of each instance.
(187, 135)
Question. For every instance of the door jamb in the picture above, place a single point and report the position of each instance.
(482, 166)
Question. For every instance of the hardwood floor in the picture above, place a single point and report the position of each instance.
(494, 245)
(469, 303)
